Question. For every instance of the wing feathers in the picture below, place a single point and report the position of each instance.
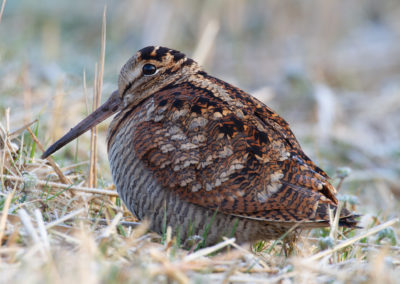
(242, 160)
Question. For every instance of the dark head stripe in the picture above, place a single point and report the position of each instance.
(161, 52)
(148, 53)
(177, 55)
(145, 53)
(187, 62)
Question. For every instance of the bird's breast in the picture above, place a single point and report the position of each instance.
(127, 170)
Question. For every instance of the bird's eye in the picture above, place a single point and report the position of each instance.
(149, 69)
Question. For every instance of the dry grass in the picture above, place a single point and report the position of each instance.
(49, 234)
(56, 228)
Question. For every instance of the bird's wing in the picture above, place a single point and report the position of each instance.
(240, 159)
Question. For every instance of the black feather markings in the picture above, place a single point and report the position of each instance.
(158, 53)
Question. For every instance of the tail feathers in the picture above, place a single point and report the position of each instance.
(318, 217)
(350, 221)
(346, 219)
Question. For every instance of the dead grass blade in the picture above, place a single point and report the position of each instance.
(172, 270)
(3, 5)
(208, 250)
(59, 173)
(4, 214)
(64, 218)
(93, 140)
(98, 84)
(253, 256)
(18, 131)
(27, 222)
(111, 228)
(206, 41)
(42, 230)
(7, 145)
(353, 240)
(65, 186)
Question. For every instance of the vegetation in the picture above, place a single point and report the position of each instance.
(331, 68)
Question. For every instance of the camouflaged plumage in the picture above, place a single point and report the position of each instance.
(218, 147)
(212, 158)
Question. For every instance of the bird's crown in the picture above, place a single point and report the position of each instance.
(151, 69)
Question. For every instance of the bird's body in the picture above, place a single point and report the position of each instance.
(193, 152)
(153, 181)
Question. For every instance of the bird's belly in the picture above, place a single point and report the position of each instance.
(146, 198)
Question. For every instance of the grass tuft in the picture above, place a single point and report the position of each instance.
(55, 227)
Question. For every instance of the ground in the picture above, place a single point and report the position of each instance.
(330, 68)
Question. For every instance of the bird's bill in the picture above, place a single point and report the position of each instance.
(107, 109)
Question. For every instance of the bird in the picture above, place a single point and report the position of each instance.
(190, 151)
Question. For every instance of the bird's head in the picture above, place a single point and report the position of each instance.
(148, 71)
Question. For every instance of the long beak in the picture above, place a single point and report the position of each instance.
(107, 109)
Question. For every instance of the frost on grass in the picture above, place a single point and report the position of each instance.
(66, 233)
(336, 84)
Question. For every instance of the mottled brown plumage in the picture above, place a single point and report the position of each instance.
(200, 150)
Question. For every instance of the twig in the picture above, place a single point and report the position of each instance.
(56, 223)
(7, 145)
(4, 215)
(27, 222)
(208, 250)
(64, 218)
(18, 131)
(93, 139)
(352, 240)
(361, 244)
(74, 165)
(63, 169)
(50, 159)
(111, 228)
(67, 237)
(248, 278)
(65, 186)
(42, 230)
(334, 224)
(98, 84)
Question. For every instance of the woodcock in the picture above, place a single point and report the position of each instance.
(206, 155)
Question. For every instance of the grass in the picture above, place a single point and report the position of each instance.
(55, 228)
(46, 232)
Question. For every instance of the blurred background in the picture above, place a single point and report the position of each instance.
(331, 68)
